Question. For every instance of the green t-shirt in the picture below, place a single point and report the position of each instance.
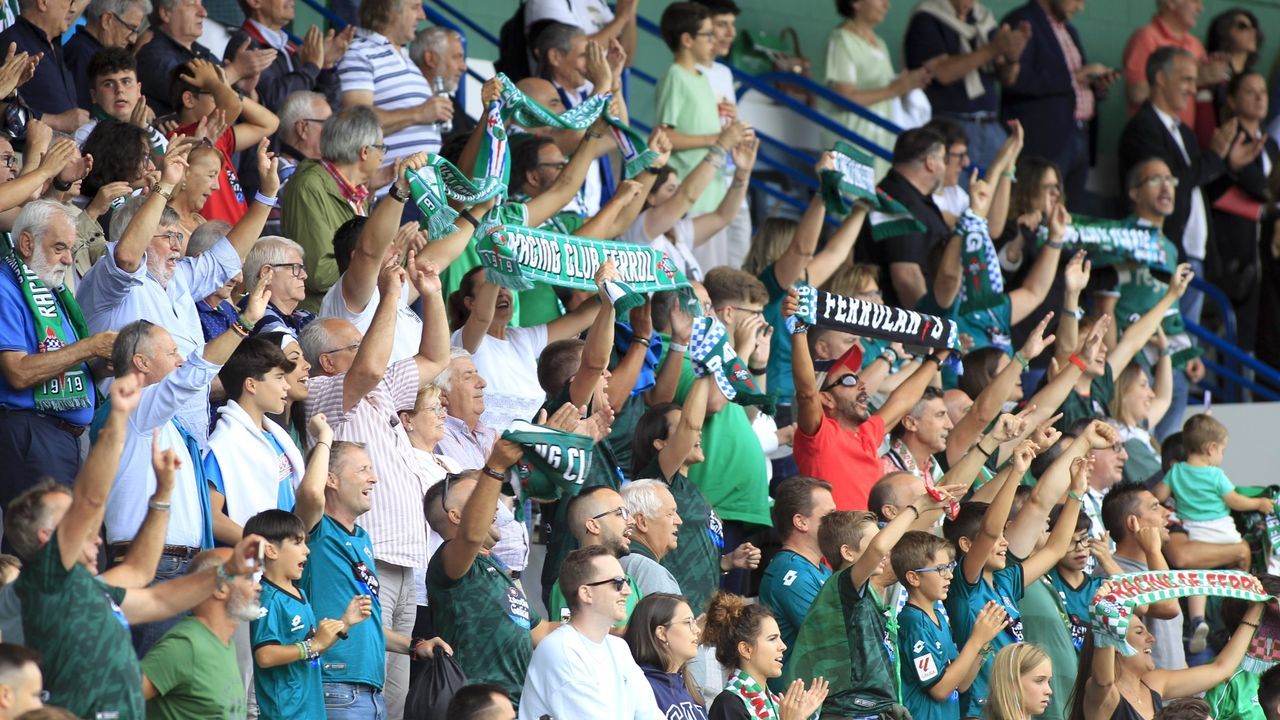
(1237, 698)
(537, 306)
(1095, 405)
(964, 602)
(789, 585)
(732, 476)
(195, 674)
(686, 103)
(292, 691)
(486, 619)
(926, 648)
(341, 566)
(558, 609)
(1076, 601)
(695, 560)
(1045, 624)
(1199, 491)
(75, 621)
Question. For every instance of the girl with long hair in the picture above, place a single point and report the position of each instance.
(1020, 687)
(663, 636)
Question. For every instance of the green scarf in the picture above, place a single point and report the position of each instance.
(761, 703)
(1109, 242)
(980, 265)
(554, 464)
(70, 390)
(821, 648)
(439, 181)
(854, 179)
(712, 354)
(516, 257)
(876, 320)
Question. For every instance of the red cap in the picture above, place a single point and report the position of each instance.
(852, 359)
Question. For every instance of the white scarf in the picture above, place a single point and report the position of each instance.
(972, 35)
(248, 462)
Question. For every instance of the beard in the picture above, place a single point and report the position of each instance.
(855, 409)
(52, 274)
(159, 269)
(244, 608)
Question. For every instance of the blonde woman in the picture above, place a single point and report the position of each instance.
(1138, 406)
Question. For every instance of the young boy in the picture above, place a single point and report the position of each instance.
(287, 641)
(252, 463)
(1069, 580)
(1205, 497)
(116, 93)
(933, 670)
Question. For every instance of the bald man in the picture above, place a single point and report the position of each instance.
(598, 516)
(893, 492)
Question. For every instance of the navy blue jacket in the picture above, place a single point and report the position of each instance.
(1043, 98)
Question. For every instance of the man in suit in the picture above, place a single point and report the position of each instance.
(1156, 132)
(1056, 93)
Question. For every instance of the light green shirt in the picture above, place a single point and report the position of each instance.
(1199, 491)
(687, 103)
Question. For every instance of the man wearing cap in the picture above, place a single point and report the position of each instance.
(837, 438)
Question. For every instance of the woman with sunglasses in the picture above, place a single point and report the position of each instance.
(747, 639)
(663, 637)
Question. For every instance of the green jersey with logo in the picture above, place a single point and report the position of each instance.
(695, 561)
(292, 691)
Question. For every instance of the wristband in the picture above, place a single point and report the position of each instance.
(1054, 245)
(1074, 359)
(889, 356)
(916, 509)
(679, 347)
(342, 634)
(245, 322)
(239, 329)
(1252, 625)
(642, 340)
(1025, 363)
(982, 449)
(414, 644)
(61, 186)
(1167, 351)
(757, 371)
(157, 505)
(593, 135)
(655, 169)
(395, 193)
(302, 651)
(261, 199)
(493, 473)
(934, 358)
(1072, 494)
(716, 150)
(466, 215)
(1078, 313)
(155, 190)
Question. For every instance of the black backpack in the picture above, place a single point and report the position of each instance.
(513, 47)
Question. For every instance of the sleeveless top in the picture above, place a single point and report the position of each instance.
(1125, 711)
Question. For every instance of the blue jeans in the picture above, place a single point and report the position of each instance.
(146, 635)
(985, 139)
(351, 701)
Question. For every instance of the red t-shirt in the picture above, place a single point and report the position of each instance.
(227, 202)
(850, 461)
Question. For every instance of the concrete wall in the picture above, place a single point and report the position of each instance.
(1253, 455)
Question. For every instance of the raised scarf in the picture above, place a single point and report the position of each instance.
(760, 702)
(973, 35)
(982, 285)
(49, 308)
(1109, 242)
(854, 179)
(1110, 613)
(517, 257)
(712, 353)
(868, 319)
(433, 185)
(554, 463)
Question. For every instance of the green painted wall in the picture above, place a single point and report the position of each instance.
(1104, 25)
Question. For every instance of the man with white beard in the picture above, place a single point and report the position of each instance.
(46, 393)
(192, 670)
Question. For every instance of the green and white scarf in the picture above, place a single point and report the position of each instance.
(712, 354)
(517, 257)
(554, 464)
(761, 703)
(1109, 242)
(983, 283)
(875, 320)
(854, 179)
(439, 181)
(70, 390)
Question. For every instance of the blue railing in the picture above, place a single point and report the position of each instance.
(1240, 359)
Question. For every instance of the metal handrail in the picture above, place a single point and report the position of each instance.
(830, 96)
(1235, 354)
(1227, 374)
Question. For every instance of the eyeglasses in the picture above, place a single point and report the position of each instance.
(173, 236)
(557, 165)
(448, 478)
(133, 29)
(749, 311)
(962, 155)
(144, 327)
(1080, 541)
(690, 621)
(295, 268)
(344, 348)
(314, 120)
(381, 147)
(1154, 180)
(438, 410)
(946, 570)
(848, 380)
(618, 583)
(621, 511)
(704, 35)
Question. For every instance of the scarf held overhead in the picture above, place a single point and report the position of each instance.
(868, 319)
(439, 181)
(853, 180)
(1109, 242)
(554, 463)
(983, 283)
(712, 354)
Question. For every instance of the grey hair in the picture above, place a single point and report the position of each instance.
(555, 36)
(347, 132)
(268, 250)
(132, 338)
(37, 215)
(338, 453)
(98, 8)
(444, 380)
(206, 236)
(1162, 60)
(124, 214)
(314, 340)
(297, 107)
(435, 38)
(641, 497)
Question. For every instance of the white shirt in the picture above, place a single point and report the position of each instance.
(589, 198)
(434, 468)
(1195, 235)
(952, 199)
(680, 250)
(572, 676)
(372, 63)
(590, 15)
(408, 325)
(510, 370)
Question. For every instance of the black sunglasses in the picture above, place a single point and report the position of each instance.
(848, 380)
(618, 583)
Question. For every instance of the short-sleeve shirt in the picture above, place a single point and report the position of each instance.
(926, 648)
(75, 621)
(408, 325)
(1093, 405)
(372, 63)
(558, 608)
(789, 585)
(510, 369)
(695, 560)
(195, 674)
(926, 38)
(1045, 625)
(1199, 491)
(227, 202)
(964, 601)
(486, 619)
(18, 333)
(589, 15)
(52, 89)
(686, 102)
(293, 690)
(340, 567)
(850, 461)
(1076, 602)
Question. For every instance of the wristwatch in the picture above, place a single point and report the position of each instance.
(396, 195)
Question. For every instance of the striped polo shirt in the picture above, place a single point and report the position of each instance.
(372, 63)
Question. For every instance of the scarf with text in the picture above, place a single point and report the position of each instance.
(983, 281)
(1110, 613)
(439, 181)
(761, 703)
(516, 257)
(49, 308)
(711, 353)
(554, 464)
(1109, 242)
(854, 179)
(868, 319)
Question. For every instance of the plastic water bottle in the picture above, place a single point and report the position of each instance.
(443, 126)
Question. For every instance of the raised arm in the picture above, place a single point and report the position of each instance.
(664, 389)
(567, 184)
(256, 124)
(882, 542)
(1075, 278)
(839, 247)
(477, 514)
(708, 224)
(374, 354)
(309, 502)
(483, 307)
(218, 350)
(1035, 288)
(378, 234)
(790, 267)
(993, 520)
(1195, 680)
(662, 218)
(163, 601)
(1050, 397)
(688, 431)
(909, 392)
(139, 566)
(1101, 694)
(959, 675)
(1141, 331)
(950, 274)
(607, 224)
(1044, 559)
(132, 247)
(1025, 529)
(1002, 171)
(808, 404)
(249, 228)
(599, 343)
(433, 347)
(209, 78)
(1151, 540)
(627, 371)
